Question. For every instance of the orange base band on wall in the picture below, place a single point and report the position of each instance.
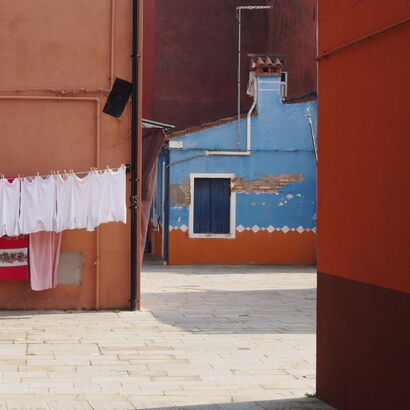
(262, 247)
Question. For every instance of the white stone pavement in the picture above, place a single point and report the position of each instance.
(208, 338)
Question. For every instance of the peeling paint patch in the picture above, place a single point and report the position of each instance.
(180, 194)
(267, 184)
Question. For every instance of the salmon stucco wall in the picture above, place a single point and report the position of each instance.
(61, 59)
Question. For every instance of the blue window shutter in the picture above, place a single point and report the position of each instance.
(202, 205)
(220, 205)
(212, 205)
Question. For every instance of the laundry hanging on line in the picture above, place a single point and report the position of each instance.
(59, 202)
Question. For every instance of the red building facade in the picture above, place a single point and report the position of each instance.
(363, 202)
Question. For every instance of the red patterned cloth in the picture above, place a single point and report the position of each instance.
(14, 258)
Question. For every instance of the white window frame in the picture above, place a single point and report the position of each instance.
(232, 222)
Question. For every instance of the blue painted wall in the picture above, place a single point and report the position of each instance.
(281, 144)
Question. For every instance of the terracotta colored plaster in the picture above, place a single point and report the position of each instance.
(262, 247)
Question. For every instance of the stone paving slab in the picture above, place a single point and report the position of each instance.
(211, 338)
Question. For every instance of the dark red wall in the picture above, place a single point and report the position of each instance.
(292, 31)
(191, 77)
(363, 203)
(190, 54)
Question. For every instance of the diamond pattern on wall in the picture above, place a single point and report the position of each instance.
(255, 228)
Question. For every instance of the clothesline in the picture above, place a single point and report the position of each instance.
(58, 203)
(70, 172)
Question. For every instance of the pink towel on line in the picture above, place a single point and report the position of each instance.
(44, 254)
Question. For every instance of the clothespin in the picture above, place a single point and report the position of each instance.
(108, 167)
(122, 165)
(38, 173)
(71, 171)
(65, 172)
(18, 176)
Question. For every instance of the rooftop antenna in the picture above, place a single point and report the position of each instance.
(239, 19)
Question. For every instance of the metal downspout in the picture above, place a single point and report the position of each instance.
(312, 134)
(136, 148)
(166, 211)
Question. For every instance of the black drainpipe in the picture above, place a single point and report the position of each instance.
(166, 209)
(134, 157)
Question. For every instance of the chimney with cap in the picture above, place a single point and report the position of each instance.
(266, 64)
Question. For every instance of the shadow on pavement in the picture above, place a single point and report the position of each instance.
(285, 404)
(243, 312)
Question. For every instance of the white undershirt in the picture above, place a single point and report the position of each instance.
(108, 197)
(65, 217)
(82, 200)
(38, 204)
(9, 207)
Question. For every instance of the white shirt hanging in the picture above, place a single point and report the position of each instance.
(115, 196)
(65, 215)
(38, 204)
(109, 196)
(82, 194)
(118, 194)
(9, 207)
(99, 209)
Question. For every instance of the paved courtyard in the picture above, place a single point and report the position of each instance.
(208, 338)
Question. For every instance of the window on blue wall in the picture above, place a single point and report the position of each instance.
(212, 203)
